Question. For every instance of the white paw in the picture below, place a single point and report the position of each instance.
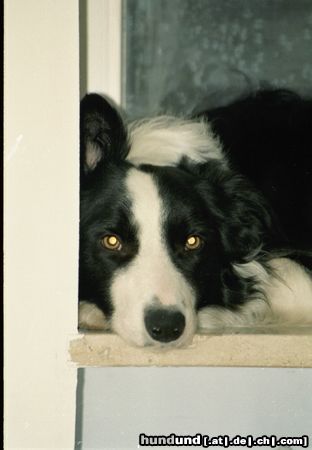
(90, 317)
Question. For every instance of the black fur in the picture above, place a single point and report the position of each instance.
(267, 139)
(102, 127)
(230, 216)
(102, 197)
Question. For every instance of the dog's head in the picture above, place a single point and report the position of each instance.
(162, 222)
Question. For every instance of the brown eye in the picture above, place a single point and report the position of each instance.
(193, 242)
(111, 242)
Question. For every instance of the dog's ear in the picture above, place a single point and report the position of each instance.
(244, 220)
(103, 136)
(247, 225)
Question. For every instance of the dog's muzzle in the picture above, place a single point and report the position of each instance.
(164, 324)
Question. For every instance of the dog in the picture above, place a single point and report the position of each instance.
(198, 224)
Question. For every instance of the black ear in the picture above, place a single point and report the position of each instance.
(103, 136)
(248, 225)
(244, 220)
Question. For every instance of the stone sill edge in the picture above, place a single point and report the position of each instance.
(248, 349)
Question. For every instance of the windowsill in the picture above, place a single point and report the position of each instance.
(290, 347)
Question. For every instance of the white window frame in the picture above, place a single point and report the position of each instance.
(104, 41)
(41, 125)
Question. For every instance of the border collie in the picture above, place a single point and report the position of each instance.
(196, 224)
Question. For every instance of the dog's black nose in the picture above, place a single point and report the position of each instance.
(164, 324)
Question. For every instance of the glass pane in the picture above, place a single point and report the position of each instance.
(180, 53)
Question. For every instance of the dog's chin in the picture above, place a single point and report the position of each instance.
(147, 342)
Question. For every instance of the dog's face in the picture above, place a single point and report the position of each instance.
(153, 245)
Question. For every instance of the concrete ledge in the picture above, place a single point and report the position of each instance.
(289, 348)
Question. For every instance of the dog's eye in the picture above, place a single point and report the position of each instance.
(193, 242)
(111, 242)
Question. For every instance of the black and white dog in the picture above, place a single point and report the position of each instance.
(196, 224)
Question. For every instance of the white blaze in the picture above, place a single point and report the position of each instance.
(151, 277)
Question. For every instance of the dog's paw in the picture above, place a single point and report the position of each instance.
(90, 317)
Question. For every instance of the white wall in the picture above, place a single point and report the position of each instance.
(41, 112)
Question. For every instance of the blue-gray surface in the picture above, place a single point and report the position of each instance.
(121, 403)
(179, 52)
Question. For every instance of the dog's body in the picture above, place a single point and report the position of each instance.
(200, 223)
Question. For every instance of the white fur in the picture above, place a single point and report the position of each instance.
(151, 278)
(163, 141)
(290, 293)
(288, 302)
(91, 317)
(93, 155)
